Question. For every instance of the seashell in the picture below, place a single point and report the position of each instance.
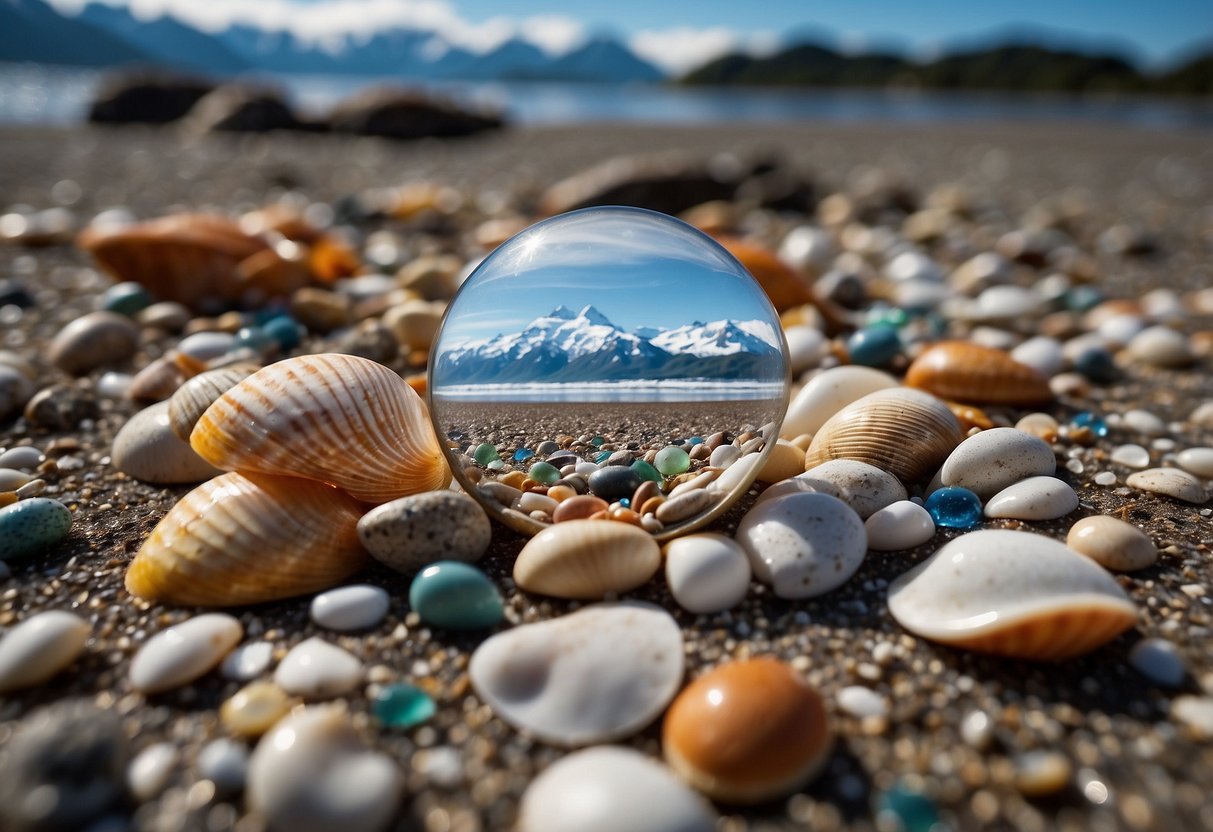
(334, 418)
(93, 340)
(989, 461)
(241, 539)
(1012, 594)
(312, 773)
(180, 654)
(865, 488)
(147, 449)
(586, 559)
(969, 372)
(747, 732)
(643, 795)
(1036, 498)
(161, 378)
(1170, 482)
(193, 397)
(828, 392)
(596, 675)
(905, 432)
(39, 647)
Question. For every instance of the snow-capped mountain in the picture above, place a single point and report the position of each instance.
(584, 346)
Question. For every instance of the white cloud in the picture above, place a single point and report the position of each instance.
(684, 48)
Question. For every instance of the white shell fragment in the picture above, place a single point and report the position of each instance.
(1170, 482)
(357, 607)
(1036, 498)
(865, 488)
(706, 572)
(312, 773)
(862, 702)
(315, 669)
(804, 544)
(147, 449)
(900, 525)
(829, 392)
(596, 675)
(184, 652)
(1013, 594)
(989, 461)
(610, 788)
(1112, 543)
(39, 647)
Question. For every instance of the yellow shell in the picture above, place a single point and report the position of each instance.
(246, 539)
(586, 559)
(905, 432)
(334, 418)
(968, 372)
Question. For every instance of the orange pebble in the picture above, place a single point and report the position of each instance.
(560, 493)
(624, 515)
(579, 508)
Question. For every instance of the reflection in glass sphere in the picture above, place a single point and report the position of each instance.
(610, 362)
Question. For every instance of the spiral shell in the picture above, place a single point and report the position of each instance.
(586, 559)
(246, 539)
(192, 398)
(335, 418)
(904, 432)
(968, 372)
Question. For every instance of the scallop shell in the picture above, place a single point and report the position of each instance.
(905, 432)
(193, 397)
(969, 372)
(335, 418)
(246, 539)
(586, 559)
(1012, 594)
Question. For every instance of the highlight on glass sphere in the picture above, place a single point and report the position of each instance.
(609, 363)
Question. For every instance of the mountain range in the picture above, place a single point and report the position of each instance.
(584, 346)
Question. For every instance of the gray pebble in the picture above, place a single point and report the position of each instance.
(15, 391)
(94, 340)
(225, 763)
(1159, 661)
(61, 407)
(413, 532)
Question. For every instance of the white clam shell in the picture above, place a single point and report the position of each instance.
(804, 544)
(1198, 461)
(865, 488)
(1011, 593)
(829, 392)
(147, 449)
(1036, 498)
(1170, 482)
(312, 773)
(989, 461)
(900, 525)
(355, 607)
(706, 573)
(39, 647)
(315, 669)
(184, 652)
(586, 559)
(596, 675)
(608, 789)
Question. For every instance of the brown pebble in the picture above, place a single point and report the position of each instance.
(94, 340)
(651, 505)
(578, 508)
(624, 515)
(644, 491)
(514, 479)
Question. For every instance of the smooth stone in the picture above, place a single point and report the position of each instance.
(1041, 773)
(989, 461)
(1170, 482)
(15, 391)
(873, 346)
(39, 647)
(92, 341)
(784, 461)
(724, 455)
(1112, 543)
(706, 573)
(357, 607)
(796, 485)
(1143, 422)
(409, 533)
(1042, 354)
(545, 473)
(1036, 498)
(531, 501)
(403, 706)
(167, 315)
(312, 773)
(828, 392)
(184, 652)
(1159, 661)
(225, 763)
(646, 471)
(253, 710)
(147, 449)
(1198, 461)
(803, 545)
(1160, 346)
(1195, 713)
(25, 457)
(315, 669)
(580, 507)
(126, 298)
(686, 505)
(150, 771)
(865, 488)
(897, 526)
(596, 675)
(611, 788)
(672, 461)
(11, 480)
(456, 596)
(206, 346)
(248, 661)
(1131, 456)
(807, 346)
(737, 476)
(31, 526)
(614, 482)
(862, 702)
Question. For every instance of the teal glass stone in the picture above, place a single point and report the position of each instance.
(672, 461)
(456, 596)
(254, 338)
(125, 298)
(907, 811)
(284, 330)
(953, 507)
(874, 346)
(496, 465)
(597, 441)
(402, 706)
(602, 457)
(484, 454)
(544, 472)
(646, 471)
(1091, 421)
(523, 454)
(695, 440)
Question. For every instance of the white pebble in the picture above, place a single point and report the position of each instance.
(1036, 498)
(12, 479)
(225, 763)
(1131, 456)
(357, 607)
(724, 456)
(977, 729)
(1160, 346)
(1159, 661)
(206, 345)
(442, 765)
(806, 347)
(1196, 713)
(113, 385)
(147, 449)
(1144, 422)
(149, 772)
(248, 661)
(828, 392)
(989, 461)
(22, 457)
(182, 653)
(1170, 482)
(39, 647)
(900, 525)
(1198, 461)
(706, 572)
(865, 488)
(1042, 354)
(315, 669)
(1105, 478)
(862, 702)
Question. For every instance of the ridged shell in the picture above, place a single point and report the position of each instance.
(904, 432)
(335, 418)
(246, 539)
(586, 559)
(193, 397)
(973, 373)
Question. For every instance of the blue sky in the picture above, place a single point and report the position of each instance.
(681, 35)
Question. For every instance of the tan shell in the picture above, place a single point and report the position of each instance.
(246, 539)
(193, 397)
(335, 418)
(161, 378)
(586, 559)
(968, 372)
(904, 432)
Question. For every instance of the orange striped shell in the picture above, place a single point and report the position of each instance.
(964, 372)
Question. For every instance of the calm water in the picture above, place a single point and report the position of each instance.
(30, 94)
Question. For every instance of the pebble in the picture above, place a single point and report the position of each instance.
(580, 507)
(1159, 661)
(807, 346)
(357, 607)
(671, 461)
(15, 391)
(648, 473)
(1112, 543)
(724, 455)
(686, 505)
(953, 507)
(828, 392)
(865, 488)
(1042, 773)
(225, 763)
(706, 573)
(545, 473)
(312, 773)
(904, 808)
(1143, 422)
(977, 730)
(610, 788)
(1196, 714)
(993, 459)
(456, 596)
(785, 460)
(402, 706)
(737, 476)
(899, 525)
(39, 647)
(147, 449)
(803, 545)
(151, 770)
(412, 532)
(1036, 498)
(25, 457)
(1170, 482)
(596, 675)
(873, 346)
(248, 661)
(31, 526)
(206, 346)
(614, 482)
(126, 298)
(93, 340)
(1042, 354)
(1131, 456)
(184, 652)
(1160, 346)
(1198, 461)
(315, 669)
(861, 702)
(253, 710)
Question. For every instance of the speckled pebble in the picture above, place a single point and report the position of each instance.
(315, 669)
(993, 459)
(865, 488)
(1169, 482)
(1112, 543)
(409, 533)
(900, 525)
(1036, 498)
(40, 647)
(357, 607)
(182, 653)
(1159, 661)
(147, 449)
(31, 526)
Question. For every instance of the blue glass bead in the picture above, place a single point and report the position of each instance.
(523, 454)
(953, 507)
(626, 502)
(285, 331)
(695, 440)
(402, 706)
(456, 596)
(874, 346)
(1091, 421)
(907, 810)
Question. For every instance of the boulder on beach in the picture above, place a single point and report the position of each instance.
(668, 182)
(406, 114)
(146, 98)
(242, 108)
